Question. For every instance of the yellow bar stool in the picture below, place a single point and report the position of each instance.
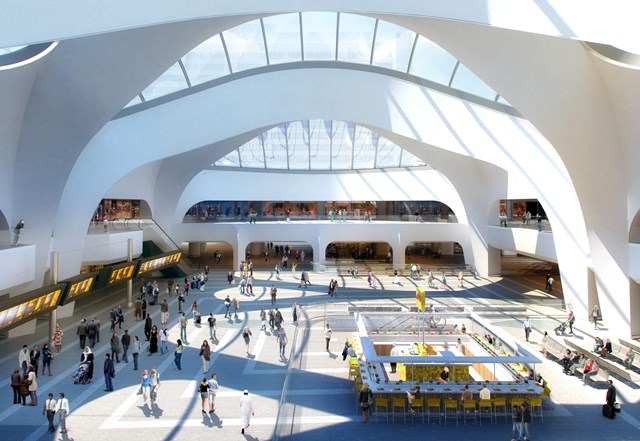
(451, 410)
(486, 409)
(536, 407)
(433, 409)
(382, 405)
(500, 403)
(469, 411)
(515, 402)
(399, 407)
(417, 409)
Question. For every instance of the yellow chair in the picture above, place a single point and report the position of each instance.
(469, 410)
(536, 407)
(354, 371)
(515, 402)
(500, 403)
(399, 403)
(381, 404)
(451, 410)
(486, 409)
(433, 409)
(417, 408)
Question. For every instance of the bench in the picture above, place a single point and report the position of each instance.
(626, 344)
(607, 363)
(555, 348)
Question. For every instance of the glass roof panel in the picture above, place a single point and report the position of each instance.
(364, 148)
(393, 46)
(170, 81)
(206, 62)
(252, 154)
(135, 100)
(298, 137)
(467, 81)
(501, 100)
(410, 160)
(8, 50)
(432, 62)
(246, 46)
(229, 160)
(355, 38)
(342, 148)
(388, 154)
(320, 145)
(283, 38)
(319, 35)
(275, 147)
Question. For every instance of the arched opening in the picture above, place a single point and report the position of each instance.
(265, 255)
(122, 211)
(634, 230)
(5, 232)
(519, 213)
(362, 251)
(435, 253)
(217, 255)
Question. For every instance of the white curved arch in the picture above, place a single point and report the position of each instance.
(611, 23)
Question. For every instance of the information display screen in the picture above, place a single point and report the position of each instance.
(78, 287)
(39, 302)
(159, 262)
(120, 273)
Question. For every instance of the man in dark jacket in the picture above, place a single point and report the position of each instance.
(611, 398)
(81, 332)
(148, 324)
(92, 332)
(109, 373)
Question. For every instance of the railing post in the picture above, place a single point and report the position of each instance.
(53, 315)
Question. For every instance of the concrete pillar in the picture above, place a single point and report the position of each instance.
(53, 315)
(494, 263)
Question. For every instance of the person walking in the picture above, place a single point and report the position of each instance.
(92, 331)
(595, 314)
(526, 420)
(109, 373)
(263, 320)
(294, 312)
(246, 410)
(183, 327)
(115, 347)
(34, 358)
(57, 338)
(282, 343)
(571, 320)
(516, 419)
(365, 398)
(164, 312)
(126, 342)
(49, 409)
(81, 332)
(227, 305)
(213, 327)
(527, 329)
(135, 351)
(144, 385)
(148, 325)
(246, 336)
(205, 355)
(33, 387)
(327, 336)
(154, 384)
(15, 385)
(203, 390)
(23, 359)
(549, 283)
(177, 355)
(273, 293)
(62, 409)
(236, 306)
(213, 390)
(164, 338)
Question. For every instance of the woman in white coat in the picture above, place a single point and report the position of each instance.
(246, 410)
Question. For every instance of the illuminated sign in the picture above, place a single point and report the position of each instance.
(40, 301)
(79, 286)
(121, 273)
(421, 299)
(157, 263)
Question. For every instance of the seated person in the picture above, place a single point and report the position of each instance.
(590, 369)
(459, 345)
(489, 339)
(413, 396)
(485, 394)
(567, 361)
(466, 394)
(628, 360)
(463, 329)
(351, 352)
(599, 344)
(444, 375)
(539, 381)
(608, 348)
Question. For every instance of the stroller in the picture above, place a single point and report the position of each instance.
(561, 328)
(82, 374)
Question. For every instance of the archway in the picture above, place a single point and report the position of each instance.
(265, 255)
(440, 253)
(376, 251)
(634, 230)
(216, 255)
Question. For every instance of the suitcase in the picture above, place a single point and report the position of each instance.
(198, 318)
(607, 411)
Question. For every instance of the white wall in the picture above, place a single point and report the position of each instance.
(17, 267)
(525, 241)
(102, 249)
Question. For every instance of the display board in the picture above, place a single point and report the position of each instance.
(159, 262)
(117, 273)
(421, 299)
(31, 305)
(78, 286)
